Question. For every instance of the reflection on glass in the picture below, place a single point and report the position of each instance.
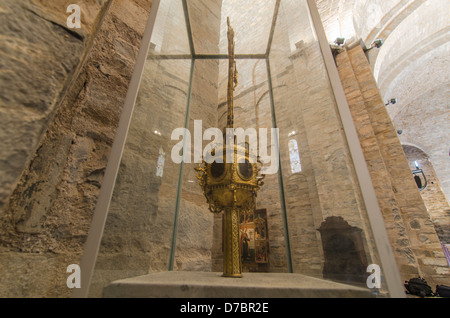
(194, 230)
(169, 34)
(251, 20)
(294, 154)
(325, 196)
(139, 228)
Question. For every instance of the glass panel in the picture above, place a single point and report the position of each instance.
(253, 110)
(194, 235)
(139, 228)
(199, 236)
(169, 36)
(327, 221)
(204, 18)
(138, 231)
(251, 21)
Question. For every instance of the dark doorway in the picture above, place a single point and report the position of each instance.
(345, 258)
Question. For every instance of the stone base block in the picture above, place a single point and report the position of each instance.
(213, 285)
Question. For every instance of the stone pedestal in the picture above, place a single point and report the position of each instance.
(213, 285)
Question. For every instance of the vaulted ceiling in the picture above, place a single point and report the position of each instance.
(412, 65)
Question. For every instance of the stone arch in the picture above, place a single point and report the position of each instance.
(413, 148)
(411, 36)
(433, 196)
(393, 16)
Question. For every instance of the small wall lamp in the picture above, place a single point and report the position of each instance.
(339, 41)
(392, 101)
(376, 44)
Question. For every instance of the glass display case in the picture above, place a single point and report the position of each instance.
(315, 214)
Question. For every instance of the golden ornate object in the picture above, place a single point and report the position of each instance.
(231, 188)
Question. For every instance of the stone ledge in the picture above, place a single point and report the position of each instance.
(212, 285)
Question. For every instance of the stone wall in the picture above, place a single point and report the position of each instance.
(421, 112)
(62, 123)
(158, 210)
(416, 75)
(40, 56)
(411, 232)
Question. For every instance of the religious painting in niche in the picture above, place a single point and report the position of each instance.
(254, 241)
